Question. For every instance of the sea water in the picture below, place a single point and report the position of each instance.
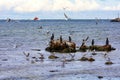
(20, 36)
(27, 34)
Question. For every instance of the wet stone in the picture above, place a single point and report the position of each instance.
(108, 63)
(53, 57)
(53, 71)
(83, 59)
(4, 59)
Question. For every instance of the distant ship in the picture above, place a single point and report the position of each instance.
(116, 19)
(36, 18)
(66, 17)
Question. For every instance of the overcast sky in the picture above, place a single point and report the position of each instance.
(54, 9)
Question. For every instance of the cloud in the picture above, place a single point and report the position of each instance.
(47, 5)
(82, 5)
(77, 5)
(53, 5)
(112, 7)
(33, 6)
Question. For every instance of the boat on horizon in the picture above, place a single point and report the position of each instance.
(116, 19)
(36, 18)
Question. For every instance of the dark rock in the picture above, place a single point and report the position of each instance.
(64, 46)
(108, 63)
(4, 59)
(53, 71)
(83, 59)
(100, 77)
(53, 57)
(94, 53)
(91, 59)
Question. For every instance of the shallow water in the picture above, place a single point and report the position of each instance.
(21, 36)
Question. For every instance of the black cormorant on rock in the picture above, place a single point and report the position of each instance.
(107, 41)
(92, 43)
(52, 37)
(60, 39)
(70, 39)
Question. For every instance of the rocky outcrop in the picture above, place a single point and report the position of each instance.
(64, 46)
(61, 45)
(67, 46)
(106, 47)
